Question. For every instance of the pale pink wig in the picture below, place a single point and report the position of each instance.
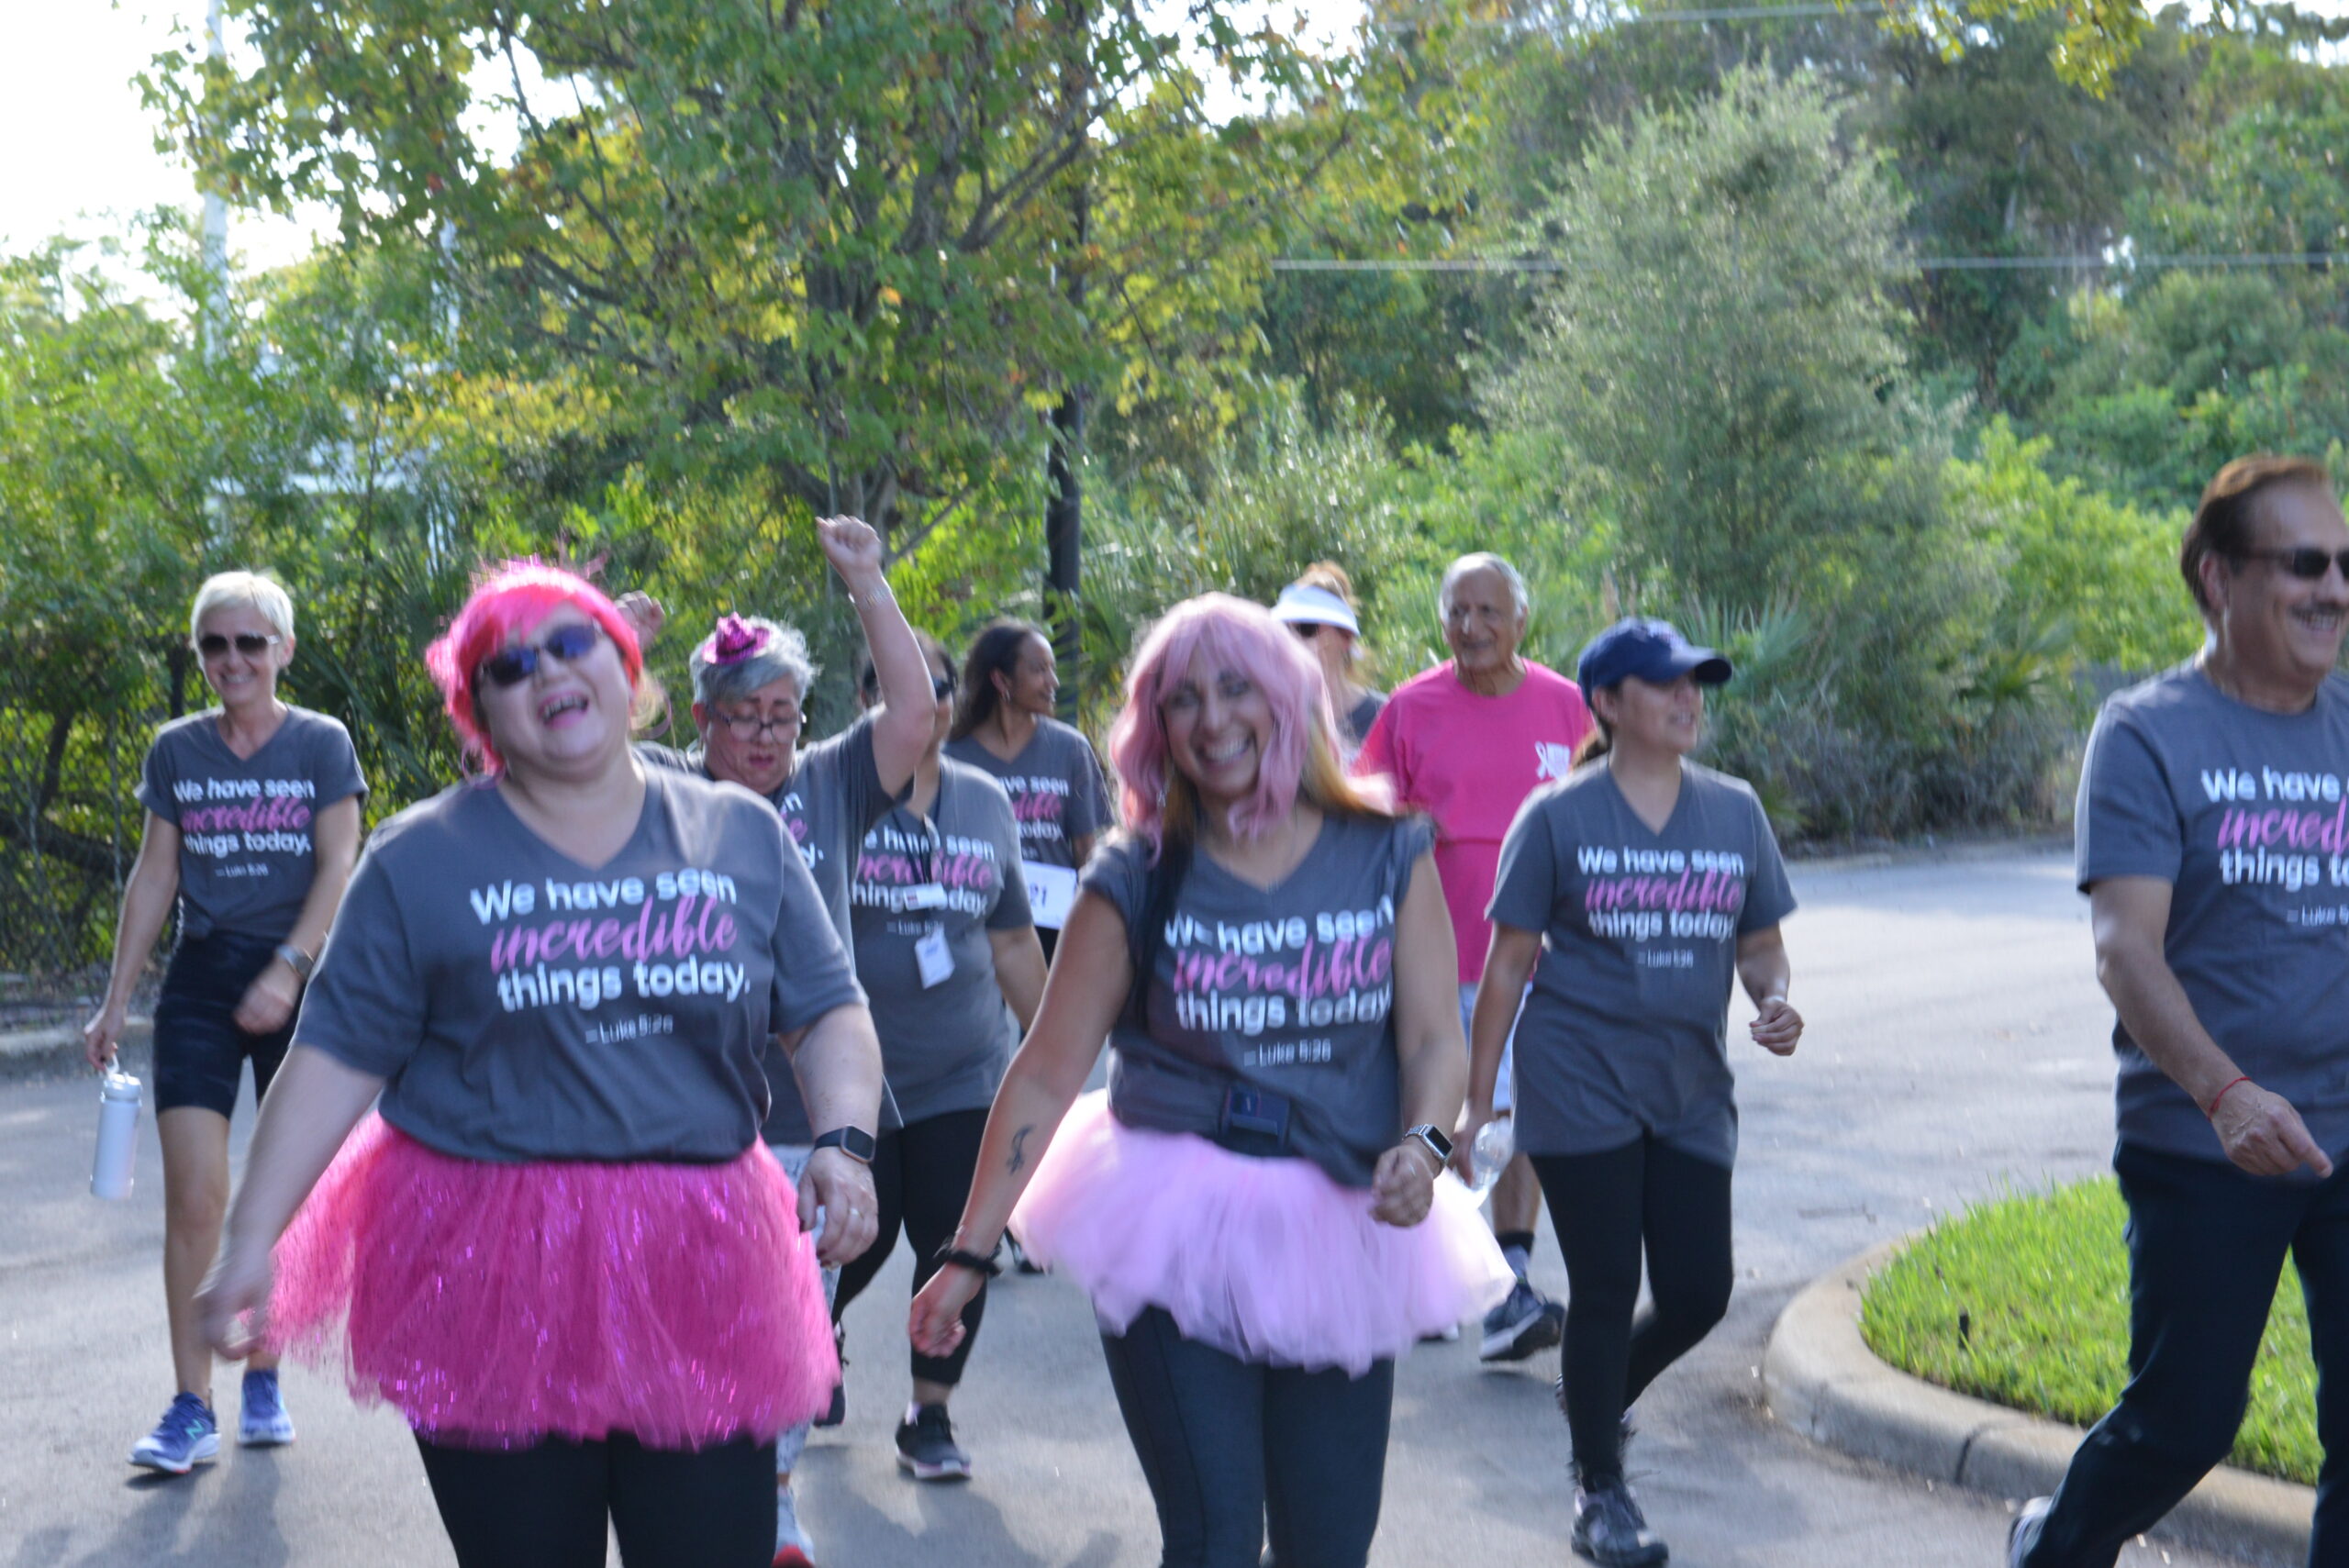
(1202, 637)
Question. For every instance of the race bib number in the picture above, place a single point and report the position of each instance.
(1052, 893)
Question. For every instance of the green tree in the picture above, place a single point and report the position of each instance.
(837, 248)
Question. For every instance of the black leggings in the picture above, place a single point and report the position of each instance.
(921, 1174)
(1232, 1449)
(545, 1507)
(1605, 1207)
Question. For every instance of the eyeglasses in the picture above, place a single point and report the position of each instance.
(750, 726)
(2307, 562)
(512, 666)
(251, 644)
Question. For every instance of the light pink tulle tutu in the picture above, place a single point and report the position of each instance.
(498, 1304)
(1267, 1260)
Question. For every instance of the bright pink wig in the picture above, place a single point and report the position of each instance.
(507, 602)
(1201, 637)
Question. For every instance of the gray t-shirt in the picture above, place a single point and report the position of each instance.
(2245, 815)
(944, 1045)
(1290, 989)
(833, 794)
(1055, 785)
(524, 1007)
(1625, 1032)
(246, 858)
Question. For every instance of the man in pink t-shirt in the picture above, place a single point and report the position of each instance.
(1466, 742)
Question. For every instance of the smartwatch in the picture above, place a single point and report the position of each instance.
(1434, 1140)
(852, 1141)
(300, 963)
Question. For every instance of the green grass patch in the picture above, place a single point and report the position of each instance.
(2024, 1301)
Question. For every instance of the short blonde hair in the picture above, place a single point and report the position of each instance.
(263, 593)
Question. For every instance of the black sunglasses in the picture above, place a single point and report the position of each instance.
(2307, 562)
(251, 644)
(512, 666)
(940, 686)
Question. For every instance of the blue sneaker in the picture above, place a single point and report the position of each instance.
(262, 1422)
(186, 1436)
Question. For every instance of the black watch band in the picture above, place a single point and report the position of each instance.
(977, 1262)
(852, 1141)
(1431, 1136)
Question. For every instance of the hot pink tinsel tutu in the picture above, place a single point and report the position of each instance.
(1270, 1261)
(494, 1304)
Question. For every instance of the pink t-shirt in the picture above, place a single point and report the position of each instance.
(1469, 762)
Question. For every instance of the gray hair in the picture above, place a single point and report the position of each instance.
(1482, 561)
(784, 657)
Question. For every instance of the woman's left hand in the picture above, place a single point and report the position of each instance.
(1778, 1028)
(1404, 1185)
(843, 1186)
(269, 999)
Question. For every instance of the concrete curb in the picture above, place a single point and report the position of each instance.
(1822, 1380)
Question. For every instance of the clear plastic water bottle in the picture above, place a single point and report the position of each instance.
(1495, 1145)
(118, 1135)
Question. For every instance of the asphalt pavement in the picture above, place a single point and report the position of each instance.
(1956, 1045)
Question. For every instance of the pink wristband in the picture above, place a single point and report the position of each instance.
(2213, 1112)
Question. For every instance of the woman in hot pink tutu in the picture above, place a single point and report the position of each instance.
(1252, 1207)
(560, 1248)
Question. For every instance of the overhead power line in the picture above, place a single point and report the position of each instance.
(1922, 263)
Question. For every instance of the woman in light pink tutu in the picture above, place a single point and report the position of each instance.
(557, 1245)
(1252, 1207)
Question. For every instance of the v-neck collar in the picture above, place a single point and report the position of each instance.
(1679, 799)
(1322, 835)
(645, 813)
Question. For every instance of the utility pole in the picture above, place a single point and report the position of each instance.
(216, 214)
(1064, 503)
(1064, 506)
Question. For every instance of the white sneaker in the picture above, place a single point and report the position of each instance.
(792, 1547)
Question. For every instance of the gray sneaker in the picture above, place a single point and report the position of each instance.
(1525, 1322)
(1610, 1530)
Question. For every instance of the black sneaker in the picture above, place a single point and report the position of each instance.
(1526, 1322)
(838, 1410)
(926, 1446)
(1610, 1530)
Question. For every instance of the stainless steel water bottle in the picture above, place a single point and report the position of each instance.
(118, 1135)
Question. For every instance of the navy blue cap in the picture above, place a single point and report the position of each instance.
(1653, 650)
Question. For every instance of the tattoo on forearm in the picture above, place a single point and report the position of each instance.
(1019, 1160)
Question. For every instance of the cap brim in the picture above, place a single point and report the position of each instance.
(1306, 615)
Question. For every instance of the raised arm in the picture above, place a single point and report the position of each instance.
(901, 727)
(2260, 1131)
(146, 905)
(1090, 976)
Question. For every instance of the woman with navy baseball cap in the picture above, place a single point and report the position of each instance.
(1643, 883)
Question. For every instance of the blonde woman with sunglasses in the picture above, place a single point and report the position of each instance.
(253, 828)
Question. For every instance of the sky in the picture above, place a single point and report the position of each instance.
(82, 145)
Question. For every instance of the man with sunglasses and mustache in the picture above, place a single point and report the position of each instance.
(2213, 845)
(751, 678)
